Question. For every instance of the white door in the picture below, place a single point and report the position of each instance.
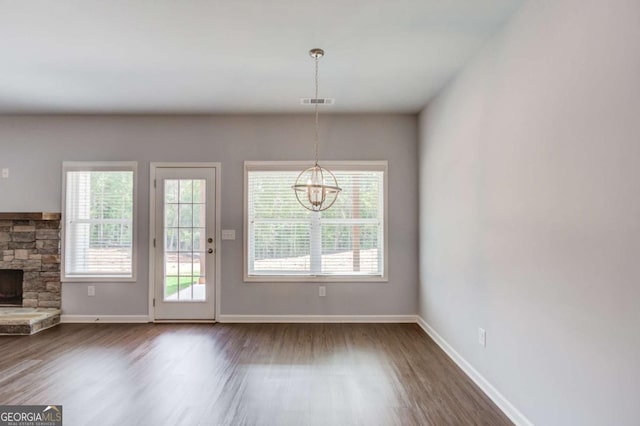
(185, 225)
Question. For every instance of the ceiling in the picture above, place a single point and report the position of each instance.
(243, 56)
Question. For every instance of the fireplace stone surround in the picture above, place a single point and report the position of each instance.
(31, 242)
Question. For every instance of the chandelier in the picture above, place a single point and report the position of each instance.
(316, 188)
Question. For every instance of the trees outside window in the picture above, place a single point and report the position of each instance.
(99, 218)
(284, 239)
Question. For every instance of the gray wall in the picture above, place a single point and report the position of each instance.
(530, 212)
(34, 147)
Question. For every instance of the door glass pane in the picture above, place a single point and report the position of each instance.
(186, 190)
(186, 215)
(171, 239)
(198, 215)
(198, 191)
(171, 191)
(198, 239)
(170, 215)
(184, 240)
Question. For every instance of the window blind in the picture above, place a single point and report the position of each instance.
(99, 223)
(286, 239)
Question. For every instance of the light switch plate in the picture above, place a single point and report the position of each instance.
(5, 173)
(228, 234)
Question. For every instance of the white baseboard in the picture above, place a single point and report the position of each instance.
(250, 319)
(103, 319)
(317, 318)
(503, 403)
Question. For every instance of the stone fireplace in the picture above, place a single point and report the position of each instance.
(30, 252)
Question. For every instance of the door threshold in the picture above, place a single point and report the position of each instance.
(185, 321)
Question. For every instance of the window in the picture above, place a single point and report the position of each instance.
(99, 221)
(286, 242)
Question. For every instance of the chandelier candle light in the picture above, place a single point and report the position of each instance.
(316, 188)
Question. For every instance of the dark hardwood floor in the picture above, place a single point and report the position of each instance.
(241, 374)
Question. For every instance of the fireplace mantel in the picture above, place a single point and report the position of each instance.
(30, 216)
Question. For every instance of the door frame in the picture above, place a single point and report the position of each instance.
(153, 166)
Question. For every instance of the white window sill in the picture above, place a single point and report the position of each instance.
(315, 279)
(98, 279)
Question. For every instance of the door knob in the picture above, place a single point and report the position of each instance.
(210, 240)
(210, 251)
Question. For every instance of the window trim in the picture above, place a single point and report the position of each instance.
(380, 165)
(70, 166)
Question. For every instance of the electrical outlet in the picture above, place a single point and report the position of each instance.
(322, 291)
(5, 173)
(91, 290)
(482, 337)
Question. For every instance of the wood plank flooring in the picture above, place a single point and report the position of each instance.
(241, 374)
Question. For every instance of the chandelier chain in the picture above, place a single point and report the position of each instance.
(316, 188)
(316, 113)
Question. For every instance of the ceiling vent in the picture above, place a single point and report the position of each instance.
(319, 101)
